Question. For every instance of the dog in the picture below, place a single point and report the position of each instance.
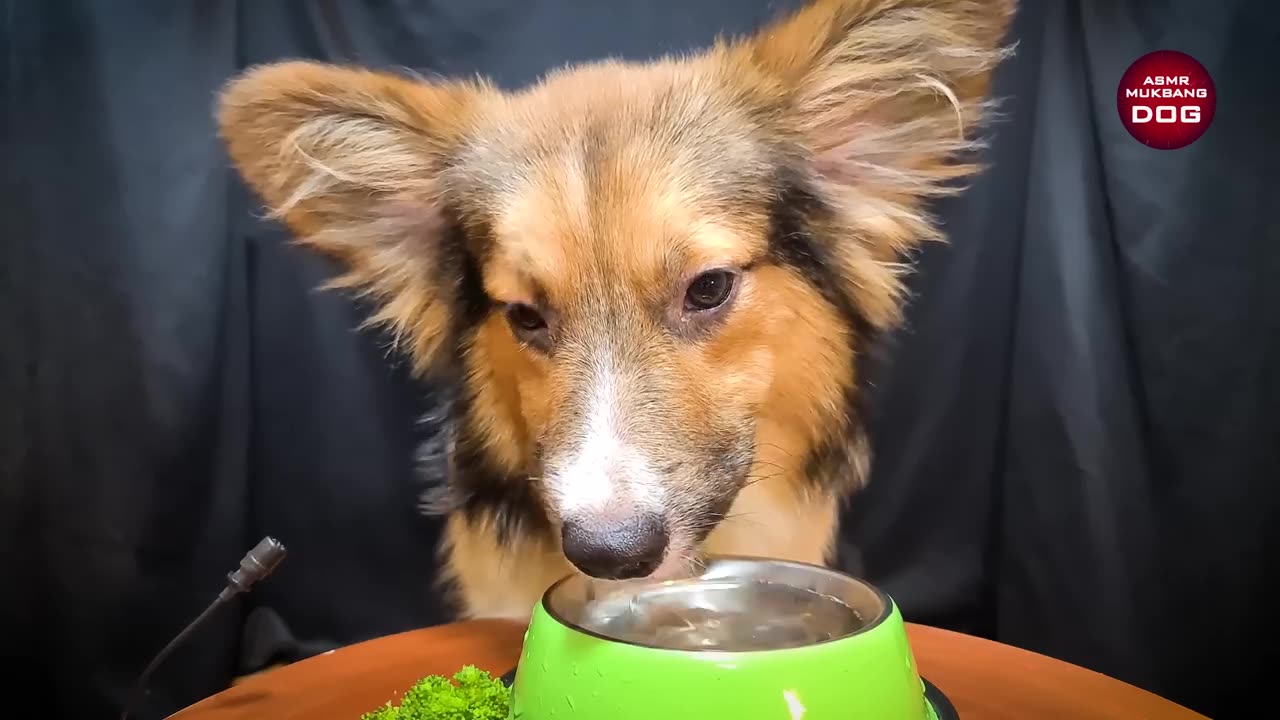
(647, 282)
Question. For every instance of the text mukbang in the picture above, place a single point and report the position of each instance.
(1166, 100)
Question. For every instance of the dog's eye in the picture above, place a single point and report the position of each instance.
(525, 320)
(709, 290)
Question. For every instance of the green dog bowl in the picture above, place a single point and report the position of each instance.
(747, 639)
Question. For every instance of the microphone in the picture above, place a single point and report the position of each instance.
(257, 564)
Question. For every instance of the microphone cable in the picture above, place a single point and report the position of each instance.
(257, 564)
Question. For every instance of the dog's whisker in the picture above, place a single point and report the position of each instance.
(754, 478)
(775, 446)
(739, 518)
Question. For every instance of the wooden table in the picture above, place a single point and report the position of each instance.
(985, 680)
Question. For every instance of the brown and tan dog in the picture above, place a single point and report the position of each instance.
(650, 281)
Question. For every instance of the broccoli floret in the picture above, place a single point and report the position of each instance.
(473, 694)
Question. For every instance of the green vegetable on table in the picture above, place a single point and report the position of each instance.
(473, 694)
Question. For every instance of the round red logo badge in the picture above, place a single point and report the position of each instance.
(1166, 100)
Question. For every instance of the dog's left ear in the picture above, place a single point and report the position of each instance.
(351, 161)
(885, 98)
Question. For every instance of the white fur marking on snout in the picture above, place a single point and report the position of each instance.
(604, 469)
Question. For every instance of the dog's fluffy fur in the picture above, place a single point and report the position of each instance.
(537, 248)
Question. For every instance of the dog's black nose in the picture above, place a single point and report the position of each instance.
(616, 549)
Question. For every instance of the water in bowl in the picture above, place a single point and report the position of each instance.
(728, 615)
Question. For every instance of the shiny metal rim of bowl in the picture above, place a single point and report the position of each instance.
(866, 600)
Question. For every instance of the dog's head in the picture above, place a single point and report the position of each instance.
(654, 277)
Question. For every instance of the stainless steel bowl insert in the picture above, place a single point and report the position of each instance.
(734, 605)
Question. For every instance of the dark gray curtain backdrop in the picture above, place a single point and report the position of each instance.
(1077, 435)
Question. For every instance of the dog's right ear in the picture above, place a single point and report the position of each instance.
(885, 98)
(350, 161)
